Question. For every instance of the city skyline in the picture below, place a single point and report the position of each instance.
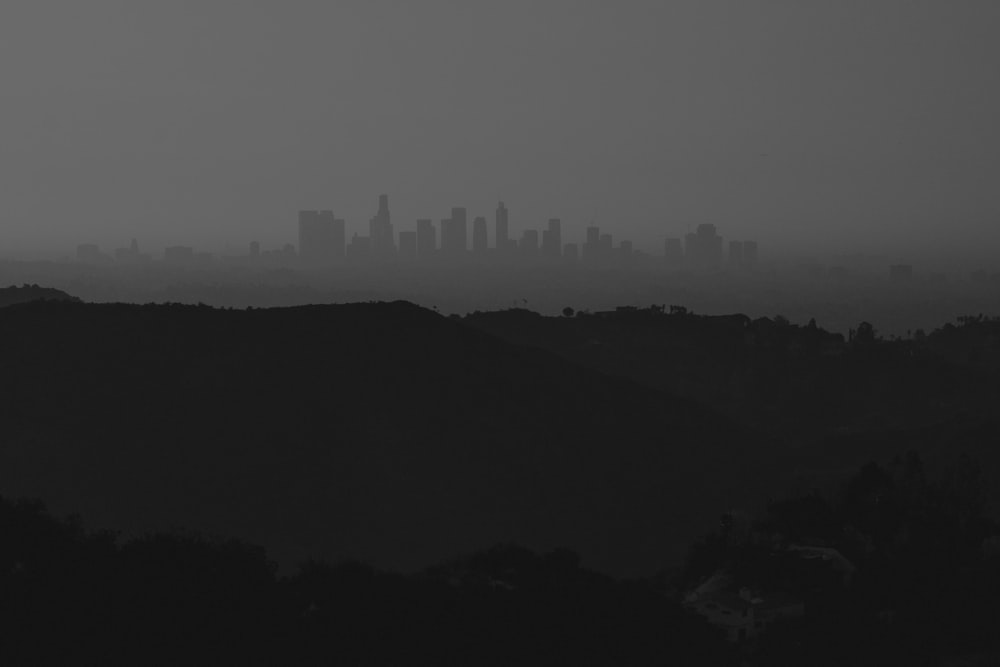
(323, 239)
(285, 238)
(807, 128)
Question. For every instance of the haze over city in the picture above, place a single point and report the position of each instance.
(385, 332)
(815, 128)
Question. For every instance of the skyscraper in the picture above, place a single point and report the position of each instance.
(606, 247)
(529, 242)
(502, 230)
(736, 253)
(703, 249)
(552, 239)
(90, 253)
(749, 254)
(625, 252)
(360, 247)
(408, 245)
(454, 233)
(591, 247)
(480, 241)
(321, 238)
(383, 242)
(673, 252)
(426, 238)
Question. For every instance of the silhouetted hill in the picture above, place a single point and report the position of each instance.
(73, 597)
(14, 295)
(382, 432)
(798, 382)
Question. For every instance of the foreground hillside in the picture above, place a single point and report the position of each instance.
(376, 431)
(799, 383)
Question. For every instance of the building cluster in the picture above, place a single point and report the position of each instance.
(704, 249)
(323, 242)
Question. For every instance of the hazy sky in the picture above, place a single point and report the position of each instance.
(816, 124)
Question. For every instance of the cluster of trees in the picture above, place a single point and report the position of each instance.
(926, 568)
(793, 381)
(69, 596)
(12, 295)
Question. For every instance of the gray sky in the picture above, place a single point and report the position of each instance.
(806, 124)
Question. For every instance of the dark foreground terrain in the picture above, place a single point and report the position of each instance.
(382, 432)
(389, 435)
(923, 568)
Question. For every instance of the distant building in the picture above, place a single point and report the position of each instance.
(625, 252)
(606, 247)
(321, 238)
(360, 247)
(380, 231)
(703, 249)
(592, 245)
(901, 272)
(454, 233)
(673, 252)
(552, 239)
(529, 242)
(254, 249)
(90, 253)
(284, 257)
(131, 254)
(480, 237)
(502, 231)
(408, 245)
(749, 254)
(736, 253)
(179, 255)
(426, 238)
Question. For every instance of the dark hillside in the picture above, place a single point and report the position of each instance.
(12, 295)
(377, 431)
(800, 383)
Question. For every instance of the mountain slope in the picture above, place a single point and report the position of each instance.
(377, 431)
(13, 295)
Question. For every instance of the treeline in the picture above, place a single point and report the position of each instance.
(896, 566)
(919, 587)
(69, 596)
(796, 381)
(12, 295)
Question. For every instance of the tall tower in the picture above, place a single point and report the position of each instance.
(309, 251)
(321, 238)
(502, 230)
(591, 247)
(380, 230)
(552, 239)
(426, 238)
(454, 233)
(480, 241)
(703, 248)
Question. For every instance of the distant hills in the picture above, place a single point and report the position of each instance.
(380, 431)
(14, 295)
(388, 433)
(829, 402)
(798, 382)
